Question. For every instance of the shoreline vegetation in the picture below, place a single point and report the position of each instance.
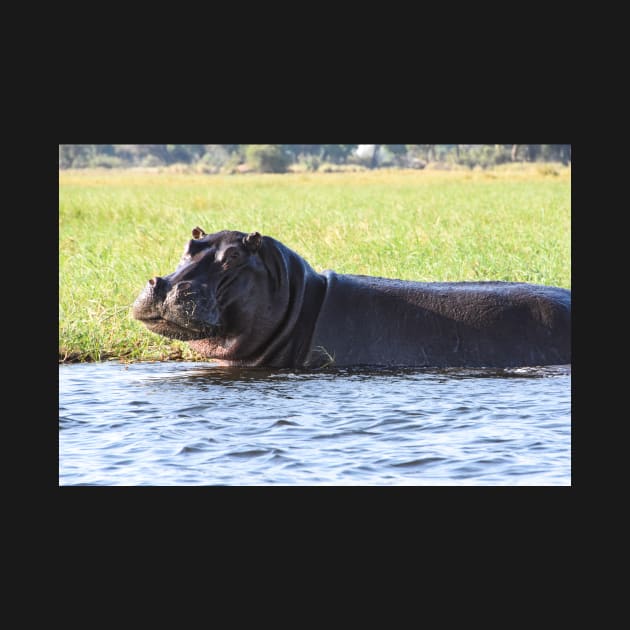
(323, 158)
(119, 227)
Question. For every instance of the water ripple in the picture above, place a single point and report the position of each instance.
(186, 424)
(254, 452)
(415, 463)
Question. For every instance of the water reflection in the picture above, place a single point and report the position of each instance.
(226, 374)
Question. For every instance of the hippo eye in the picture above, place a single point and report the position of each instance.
(231, 255)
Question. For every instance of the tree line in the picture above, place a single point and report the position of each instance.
(279, 158)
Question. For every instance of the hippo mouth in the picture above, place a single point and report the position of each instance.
(174, 330)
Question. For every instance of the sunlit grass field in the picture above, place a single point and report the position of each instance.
(119, 228)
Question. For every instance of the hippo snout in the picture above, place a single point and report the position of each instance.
(181, 309)
(152, 297)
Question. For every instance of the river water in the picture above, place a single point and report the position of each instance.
(175, 423)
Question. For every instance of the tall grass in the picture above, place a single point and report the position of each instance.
(117, 229)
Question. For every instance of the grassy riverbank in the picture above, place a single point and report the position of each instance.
(119, 228)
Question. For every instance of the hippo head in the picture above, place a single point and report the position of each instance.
(230, 295)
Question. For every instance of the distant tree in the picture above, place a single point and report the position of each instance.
(131, 153)
(555, 153)
(104, 149)
(398, 153)
(64, 160)
(337, 153)
(374, 160)
(267, 158)
(298, 151)
(215, 155)
(501, 154)
(76, 155)
(158, 153)
(532, 151)
(234, 149)
(422, 151)
(397, 149)
(186, 153)
(541, 152)
(66, 155)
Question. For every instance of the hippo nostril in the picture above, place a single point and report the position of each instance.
(158, 287)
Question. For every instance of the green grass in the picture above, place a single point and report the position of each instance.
(119, 228)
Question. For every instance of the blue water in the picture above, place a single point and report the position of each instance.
(176, 423)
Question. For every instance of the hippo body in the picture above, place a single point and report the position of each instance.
(442, 324)
(249, 300)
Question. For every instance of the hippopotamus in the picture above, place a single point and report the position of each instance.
(244, 299)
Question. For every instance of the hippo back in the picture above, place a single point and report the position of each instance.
(366, 320)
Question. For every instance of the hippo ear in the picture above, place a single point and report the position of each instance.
(252, 242)
(198, 232)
